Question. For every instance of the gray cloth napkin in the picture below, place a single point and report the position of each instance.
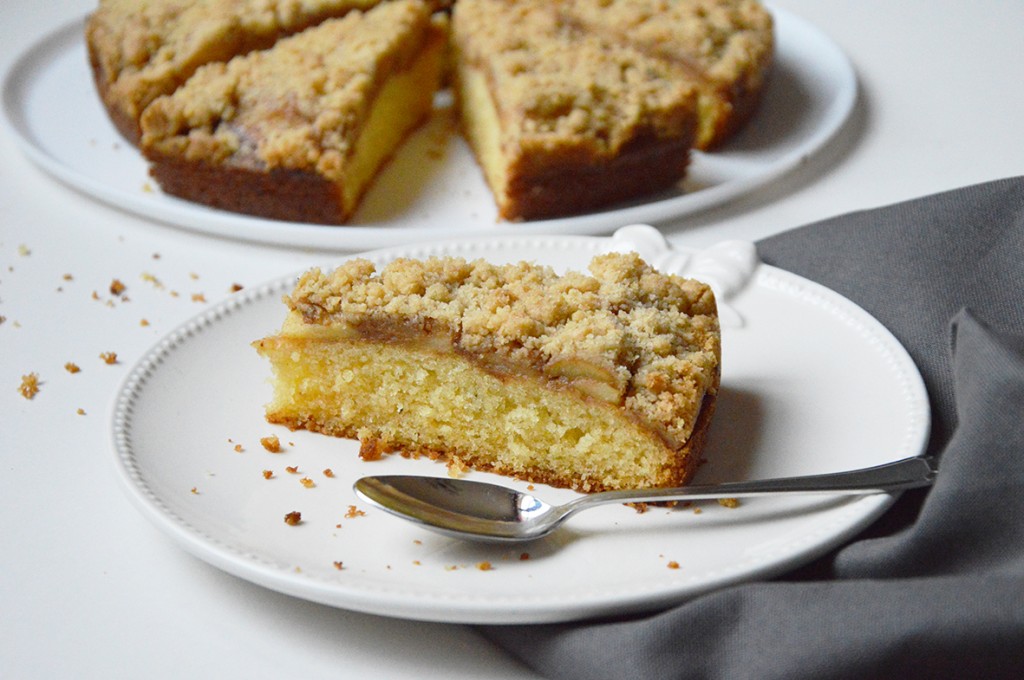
(935, 589)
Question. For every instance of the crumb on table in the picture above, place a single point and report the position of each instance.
(29, 387)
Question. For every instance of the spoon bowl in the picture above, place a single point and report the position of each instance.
(482, 511)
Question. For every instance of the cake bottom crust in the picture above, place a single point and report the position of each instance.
(553, 187)
(288, 195)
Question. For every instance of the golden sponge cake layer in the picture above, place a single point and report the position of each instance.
(592, 381)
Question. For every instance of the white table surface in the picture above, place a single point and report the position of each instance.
(89, 588)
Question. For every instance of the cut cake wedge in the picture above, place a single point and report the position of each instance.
(298, 131)
(592, 382)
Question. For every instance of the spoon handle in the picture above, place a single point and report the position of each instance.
(903, 474)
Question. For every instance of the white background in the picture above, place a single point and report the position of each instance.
(88, 588)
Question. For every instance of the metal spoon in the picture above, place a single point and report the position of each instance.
(481, 511)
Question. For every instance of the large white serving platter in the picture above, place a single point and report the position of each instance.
(811, 383)
(433, 187)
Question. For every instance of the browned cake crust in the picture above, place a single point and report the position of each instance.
(280, 194)
(545, 187)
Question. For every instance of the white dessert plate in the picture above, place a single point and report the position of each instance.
(433, 187)
(811, 383)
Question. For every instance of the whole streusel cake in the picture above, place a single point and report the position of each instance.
(599, 381)
(568, 106)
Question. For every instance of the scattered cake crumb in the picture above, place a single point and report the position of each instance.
(29, 385)
(80, 411)
(339, 565)
(117, 287)
(673, 564)
(292, 469)
(484, 566)
(235, 287)
(307, 482)
(239, 448)
(271, 443)
(729, 502)
(149, 278)
(24, 250)
(109, 357)
(198, 297)
(143, 322)
(328, 472)
(293, 518)
(417, 563)
(195, 491)
(354, 512)
(267, 474)
(71, 367)
(524, 556)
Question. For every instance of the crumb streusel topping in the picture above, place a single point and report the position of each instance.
(151, 46)
(718, 39)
